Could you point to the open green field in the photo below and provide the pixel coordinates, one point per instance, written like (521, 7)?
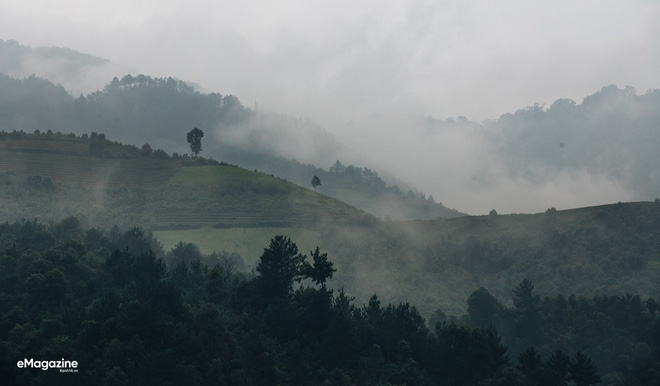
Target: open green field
(226, 175)
(247, 242)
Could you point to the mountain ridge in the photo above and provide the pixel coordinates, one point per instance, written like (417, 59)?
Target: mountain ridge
(156, 111)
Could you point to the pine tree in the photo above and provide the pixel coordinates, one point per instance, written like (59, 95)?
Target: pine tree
(583, 370)
(321, 270)
(280, 266)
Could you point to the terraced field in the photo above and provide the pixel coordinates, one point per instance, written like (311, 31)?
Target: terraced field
(46, 145)
(70, 162)
(165, 193)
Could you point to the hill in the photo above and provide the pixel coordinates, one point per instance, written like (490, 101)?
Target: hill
(567, 154)
(110, 183)
(77, 72)
(605, 250)
(159, 111)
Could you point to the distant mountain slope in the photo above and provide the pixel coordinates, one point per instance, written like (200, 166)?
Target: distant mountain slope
(77, 72)
(603, 148)
(359, 187)
(159, 111)
(613, 133)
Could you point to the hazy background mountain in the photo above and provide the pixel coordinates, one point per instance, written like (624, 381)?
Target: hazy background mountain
(158, 112)
(362, 75)
(568, 154)
(597, 150)
(78, 73)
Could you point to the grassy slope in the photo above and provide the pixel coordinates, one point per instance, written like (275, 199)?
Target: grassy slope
(433, 264)
(165, 193)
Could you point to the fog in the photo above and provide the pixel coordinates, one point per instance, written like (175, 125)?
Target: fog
(366, 72)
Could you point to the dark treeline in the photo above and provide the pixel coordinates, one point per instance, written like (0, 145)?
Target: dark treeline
(97, 145)
(620, 333)
(136, 109)
(109, 300)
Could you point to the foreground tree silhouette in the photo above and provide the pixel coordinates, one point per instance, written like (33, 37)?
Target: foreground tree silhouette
(526, 311)
(194, 138)
(280, 264)
(583, 371)
(321, 270)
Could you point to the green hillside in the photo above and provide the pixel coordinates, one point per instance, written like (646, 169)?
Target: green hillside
(110, 183)
(142, 109)
(606, 250)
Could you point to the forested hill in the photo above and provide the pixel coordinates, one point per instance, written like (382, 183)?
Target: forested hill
(159, 112)
(360, 187)
(611, 135)
(436, 264)
(126, 315)
(52, 175)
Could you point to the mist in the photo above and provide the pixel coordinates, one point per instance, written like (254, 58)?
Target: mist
(79, 74)
(462, 165)
(338, 80)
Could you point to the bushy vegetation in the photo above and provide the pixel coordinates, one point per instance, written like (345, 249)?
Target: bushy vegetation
(108, 300)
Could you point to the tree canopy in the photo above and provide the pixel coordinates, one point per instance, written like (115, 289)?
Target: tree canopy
(108, 301)
(194, 138)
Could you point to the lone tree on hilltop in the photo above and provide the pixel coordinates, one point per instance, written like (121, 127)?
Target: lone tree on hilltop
(194, 138)
(316, 182)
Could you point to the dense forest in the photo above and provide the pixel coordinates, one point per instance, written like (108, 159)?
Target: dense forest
(129, 313)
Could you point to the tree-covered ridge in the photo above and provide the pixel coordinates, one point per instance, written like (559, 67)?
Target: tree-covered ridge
(77, 72)
(358, 186)
(138, 109)
(611, 134)
(159, 111)
(108, 300)
(618, 332)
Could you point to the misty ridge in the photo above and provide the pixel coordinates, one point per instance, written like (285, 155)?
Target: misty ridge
(564, 155)
(79, 73)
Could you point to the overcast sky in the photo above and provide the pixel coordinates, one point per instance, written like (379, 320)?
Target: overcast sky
(340, 61)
